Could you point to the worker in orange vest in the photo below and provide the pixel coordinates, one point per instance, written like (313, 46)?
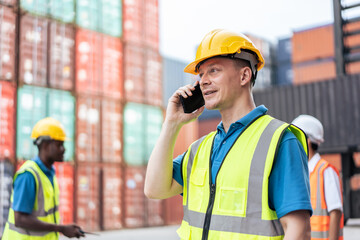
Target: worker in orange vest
(327, 221)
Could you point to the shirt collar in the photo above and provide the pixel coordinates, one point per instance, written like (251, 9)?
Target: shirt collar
(313, 161)
(248, 118)
(43, 167)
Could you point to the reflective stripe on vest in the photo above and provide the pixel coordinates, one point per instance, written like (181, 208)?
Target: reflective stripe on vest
(253, 223)
(320, 220)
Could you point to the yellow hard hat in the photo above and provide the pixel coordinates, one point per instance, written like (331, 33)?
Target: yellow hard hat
(49, 127)
(222, 42)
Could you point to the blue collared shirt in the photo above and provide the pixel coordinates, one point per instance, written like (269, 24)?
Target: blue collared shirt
(25, 188)
(289, 188)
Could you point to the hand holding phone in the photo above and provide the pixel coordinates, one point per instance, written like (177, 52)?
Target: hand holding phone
(191, 103)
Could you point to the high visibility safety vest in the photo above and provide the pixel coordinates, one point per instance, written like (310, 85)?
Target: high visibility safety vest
(320, 220)
(236, 206)
(45, 207)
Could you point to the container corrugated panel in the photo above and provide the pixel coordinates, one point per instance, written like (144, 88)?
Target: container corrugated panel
(88, 197)
(7, 43)
(134, 136)
(133, 21)
(354, 40)
(88, 14)
(38, 7)
(63, 10)
(353, 68)
(33, 50)
(112, 67)
(285, 74)
(173, 77)
(153, 78)
(207, 126)
(153, 122)
(111, 130)
(134, 197)
(173, 211)
(6, 180)
(88, 129)
(65, 178)
(88, 62)
(284, 50)
(111, 22)
(112, 197)
(325, 100)
(61, 106)
(187, 135)
(312, 44)
(155, 212)
(7, 121)
(151, 26)
(314, 71)
(134, 65)
(31, 107)
(62, 56)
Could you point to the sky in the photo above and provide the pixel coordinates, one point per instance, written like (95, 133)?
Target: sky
(184, 23)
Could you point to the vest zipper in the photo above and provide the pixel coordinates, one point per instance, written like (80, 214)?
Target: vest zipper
(209, 212)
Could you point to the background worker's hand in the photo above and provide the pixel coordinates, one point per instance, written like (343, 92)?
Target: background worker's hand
(175, 112)
(72, 231)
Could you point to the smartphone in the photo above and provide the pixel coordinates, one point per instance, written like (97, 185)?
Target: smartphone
(191, 103)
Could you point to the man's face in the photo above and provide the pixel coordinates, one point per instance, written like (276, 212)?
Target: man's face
(56, 151)
(220, 83)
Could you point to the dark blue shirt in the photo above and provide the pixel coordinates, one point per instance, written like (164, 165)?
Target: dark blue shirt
(289, 188)
(25, 188)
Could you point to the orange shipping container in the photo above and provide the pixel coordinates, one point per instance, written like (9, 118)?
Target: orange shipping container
(7, 43)
(313, 44)
(173, 210)
(134, 67)
(134, 200)
(65, 178)
(208, 125)
(153, 78)
(62, 56)
(111, 204)
(88, 129)
(314, 72)
(111, 129)
(155, 215)
(33, 50)
(88, 197)
(133, 20)
(7, 120)
(152, 24)
(187, 135)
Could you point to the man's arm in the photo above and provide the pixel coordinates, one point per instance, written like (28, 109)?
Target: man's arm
(159, 182)
(334, 228)
(296, 225)
(24, 220)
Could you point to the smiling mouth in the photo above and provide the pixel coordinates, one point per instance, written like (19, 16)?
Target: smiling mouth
(209, 93)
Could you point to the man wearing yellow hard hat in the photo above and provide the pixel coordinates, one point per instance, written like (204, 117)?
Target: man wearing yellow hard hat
(248, 179)
(34, 212)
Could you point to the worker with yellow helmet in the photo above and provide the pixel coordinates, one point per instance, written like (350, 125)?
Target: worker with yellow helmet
(34, 212)
(248, 179)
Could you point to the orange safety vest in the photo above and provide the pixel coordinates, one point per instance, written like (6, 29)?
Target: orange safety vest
(320, 220)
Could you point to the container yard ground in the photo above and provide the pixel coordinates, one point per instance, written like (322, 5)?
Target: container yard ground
(351, 232)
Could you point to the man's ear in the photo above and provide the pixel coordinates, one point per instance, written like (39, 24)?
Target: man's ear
(246, 76)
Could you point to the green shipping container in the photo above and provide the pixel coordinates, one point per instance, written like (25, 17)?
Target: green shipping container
(61, 106)
(88, 14)
(31, 107)
(111, 23)
(134, 134)
(63, 10)
(39, 7)
(154, 120)
(35, 103)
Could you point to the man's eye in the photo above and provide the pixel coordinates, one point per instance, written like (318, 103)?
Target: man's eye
(200, 75)
(213, 70)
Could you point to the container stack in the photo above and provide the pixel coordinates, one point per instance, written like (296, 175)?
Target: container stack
(284, 71)
(46, 83)
(313, 55)
(143, 112)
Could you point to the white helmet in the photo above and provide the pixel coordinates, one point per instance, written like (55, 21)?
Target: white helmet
(311, 126)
